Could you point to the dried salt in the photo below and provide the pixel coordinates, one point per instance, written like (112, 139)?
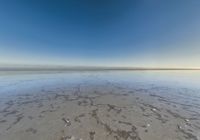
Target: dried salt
(187, 120)
(154, 109)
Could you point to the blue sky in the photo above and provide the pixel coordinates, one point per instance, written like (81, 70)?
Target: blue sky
(156, 33)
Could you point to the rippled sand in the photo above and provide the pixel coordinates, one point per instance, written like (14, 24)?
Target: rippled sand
(105, 110)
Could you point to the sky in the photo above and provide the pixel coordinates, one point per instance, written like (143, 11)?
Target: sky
(135, 33)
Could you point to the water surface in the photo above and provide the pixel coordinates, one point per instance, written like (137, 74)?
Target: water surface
(96, 105)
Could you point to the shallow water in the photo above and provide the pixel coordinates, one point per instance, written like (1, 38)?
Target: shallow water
(140, 105)
(24, 80)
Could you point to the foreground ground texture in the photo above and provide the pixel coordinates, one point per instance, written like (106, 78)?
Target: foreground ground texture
(102, 110)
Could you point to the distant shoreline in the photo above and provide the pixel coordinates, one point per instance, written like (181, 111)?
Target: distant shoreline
(89, 69)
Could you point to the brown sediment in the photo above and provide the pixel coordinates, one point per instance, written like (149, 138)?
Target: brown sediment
(115, 108)
(92, 133)
(94, 115)
(181, 104)
(150, 106)
(9, 105)
(176, 115)
(19, 117)
(66, 97)
(67, 121)
(28, 102)
(77, 118)
(187, 135)
(49, 110)
(127, 123)
(85, 100)
(122, 134)
(10, 113)
(156, 111)
(133, 135)
(160, 117)
(32, 130)
(65, 137)
(83, 103)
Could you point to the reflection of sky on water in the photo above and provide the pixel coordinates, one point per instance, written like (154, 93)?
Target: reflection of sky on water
(15, 82)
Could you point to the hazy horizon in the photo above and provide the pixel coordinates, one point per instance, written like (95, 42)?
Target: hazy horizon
(67, 67)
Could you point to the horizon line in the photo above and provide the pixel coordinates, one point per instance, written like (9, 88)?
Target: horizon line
(86, 68)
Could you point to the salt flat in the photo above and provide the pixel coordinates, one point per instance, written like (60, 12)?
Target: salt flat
(108, 105)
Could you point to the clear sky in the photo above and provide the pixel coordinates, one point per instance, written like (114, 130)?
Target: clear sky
(147, 33)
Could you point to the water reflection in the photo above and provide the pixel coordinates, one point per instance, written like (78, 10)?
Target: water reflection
(190, 79)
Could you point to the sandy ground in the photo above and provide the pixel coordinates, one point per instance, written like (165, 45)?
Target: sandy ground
(101, 111)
